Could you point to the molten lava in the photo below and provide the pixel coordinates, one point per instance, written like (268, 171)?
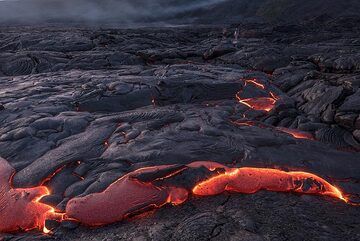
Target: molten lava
(258, 103)
(122, 198)
(128, 195)
(296, 133)
(20, 209)
(251, 180)
(146, 189)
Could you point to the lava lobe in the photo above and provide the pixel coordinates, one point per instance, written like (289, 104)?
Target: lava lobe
(125, 196)
(251, 180)
(20, 209)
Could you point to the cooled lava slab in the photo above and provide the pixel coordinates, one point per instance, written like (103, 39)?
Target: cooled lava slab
(108, 125)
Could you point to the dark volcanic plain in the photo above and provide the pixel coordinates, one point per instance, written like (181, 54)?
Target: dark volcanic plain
(101, 102)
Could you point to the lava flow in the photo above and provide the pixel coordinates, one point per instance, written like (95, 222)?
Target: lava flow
(20, 209)
(296, 133)
(146, 189)
(124, 197)
(128, 195)
(258, 103)
(251, 180)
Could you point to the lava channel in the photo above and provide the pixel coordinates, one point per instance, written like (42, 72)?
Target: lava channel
(251, 180)
(20, 208)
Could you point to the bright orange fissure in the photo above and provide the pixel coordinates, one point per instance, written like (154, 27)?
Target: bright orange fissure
(254, 82)
(296, 133)
(21, 209)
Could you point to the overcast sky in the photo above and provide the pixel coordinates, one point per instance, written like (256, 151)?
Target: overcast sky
(86, 10)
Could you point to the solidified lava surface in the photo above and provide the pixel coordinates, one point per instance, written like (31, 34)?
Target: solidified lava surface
(183, 133)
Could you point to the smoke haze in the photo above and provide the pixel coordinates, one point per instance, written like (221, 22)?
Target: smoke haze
(175, 11)
(126, 11)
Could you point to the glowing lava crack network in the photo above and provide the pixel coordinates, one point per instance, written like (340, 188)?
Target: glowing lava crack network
(20, 209)
(258, 103)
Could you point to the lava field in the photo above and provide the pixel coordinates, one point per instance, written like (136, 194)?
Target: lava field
(241, 132)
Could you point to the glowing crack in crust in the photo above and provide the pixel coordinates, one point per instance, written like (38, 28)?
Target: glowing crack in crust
(21, 209)
(254, 82)
(258, 103)
(297, 134)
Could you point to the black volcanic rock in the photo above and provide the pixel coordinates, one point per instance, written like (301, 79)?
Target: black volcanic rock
(352, 103)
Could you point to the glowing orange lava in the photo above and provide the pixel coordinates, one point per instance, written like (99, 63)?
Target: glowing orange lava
(20, 209)
(258, 103)
(129, 195)
(254, 82)
(296, 133)
(251, 180)
(122, 198)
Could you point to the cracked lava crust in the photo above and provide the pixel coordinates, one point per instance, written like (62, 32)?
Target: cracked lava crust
(180, 133)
